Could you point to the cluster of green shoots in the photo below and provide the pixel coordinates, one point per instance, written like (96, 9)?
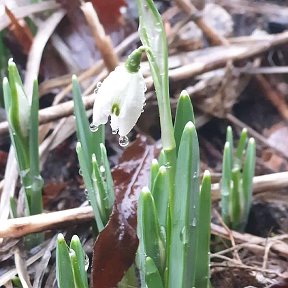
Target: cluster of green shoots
(237, 179)
(22, 114)
(173, 210)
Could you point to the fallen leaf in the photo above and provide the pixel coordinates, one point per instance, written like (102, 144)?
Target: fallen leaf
(109, 13)
(51, 190)
(116, 245)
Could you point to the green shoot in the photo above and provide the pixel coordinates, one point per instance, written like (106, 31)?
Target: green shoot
(70, 264)
(236, 183)
(93, 161)
(22, 115)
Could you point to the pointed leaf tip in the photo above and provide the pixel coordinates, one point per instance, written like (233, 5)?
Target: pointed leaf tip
(5, 81)
(189, 125)
(206, 173)
(11, 61)
(252, 141)
(75, 238)
(162, 169)
(60, 237)
(184, 94)
(227, 145)
(145, 190)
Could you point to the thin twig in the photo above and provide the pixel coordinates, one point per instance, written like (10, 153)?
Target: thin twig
(21, 269)
(279, 248)
(235, 252)
(213, 37)
(18, 227)
(102, 41)
(246, 267)
(268, 247)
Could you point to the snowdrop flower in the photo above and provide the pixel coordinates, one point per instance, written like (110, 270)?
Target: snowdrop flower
(121, 96)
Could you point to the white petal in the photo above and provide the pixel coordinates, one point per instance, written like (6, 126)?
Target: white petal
(132, 104)
(23, 110)
(106, 94)
(127, 91)
(114, 123)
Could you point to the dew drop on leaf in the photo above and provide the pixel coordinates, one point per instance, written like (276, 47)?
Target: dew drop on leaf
(93, 127)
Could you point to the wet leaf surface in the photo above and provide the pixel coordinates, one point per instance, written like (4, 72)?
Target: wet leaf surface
(115, 247)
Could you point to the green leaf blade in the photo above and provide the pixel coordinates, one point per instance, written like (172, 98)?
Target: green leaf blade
(64, 272)
(160, 194)
(152, 276)
(203, 248)
(247, 178)
(78, 263)
(226, 179)
(182, 265)
(184, 114)
(148, 231)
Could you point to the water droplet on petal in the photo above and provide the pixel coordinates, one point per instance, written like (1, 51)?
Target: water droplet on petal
(93, 127)
(86, 262)
(97, 87)
(123, 141)
(80, 172)
(115, 131)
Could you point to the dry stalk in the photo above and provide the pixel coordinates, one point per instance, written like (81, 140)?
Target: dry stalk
(268, 246)
(273, 96)
(21, 269)
(279, 248)
(22, 226)
(246, 267)
(213, 37)
(185, 71)
(102, 41)
(45, 30)
(235, 252)
(18, 227)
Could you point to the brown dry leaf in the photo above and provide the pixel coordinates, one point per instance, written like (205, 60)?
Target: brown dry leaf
(20, 31)
(109, 13)
(51, 190)
(116, 245)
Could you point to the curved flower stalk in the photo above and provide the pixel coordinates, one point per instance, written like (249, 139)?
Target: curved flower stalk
(122, 97)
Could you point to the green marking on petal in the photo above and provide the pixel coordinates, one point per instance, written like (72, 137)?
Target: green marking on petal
(115, 109)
